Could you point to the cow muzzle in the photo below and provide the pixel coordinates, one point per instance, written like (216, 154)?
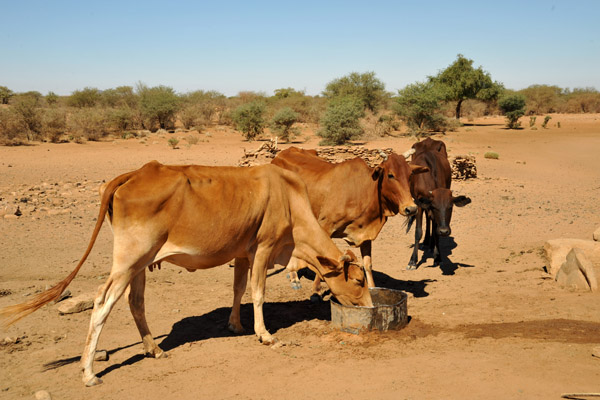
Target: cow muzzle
(410, 210)
(443, 231)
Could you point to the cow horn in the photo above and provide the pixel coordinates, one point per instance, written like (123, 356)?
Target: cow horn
(383, 155)
(408, 153)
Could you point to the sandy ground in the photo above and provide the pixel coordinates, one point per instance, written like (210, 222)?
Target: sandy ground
(489, 323)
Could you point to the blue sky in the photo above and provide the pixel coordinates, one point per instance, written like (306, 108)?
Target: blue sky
(233, 46)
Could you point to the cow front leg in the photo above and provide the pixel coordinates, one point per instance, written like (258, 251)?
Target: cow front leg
(240, 280)
(437, 254)
(107, 296)
(258, 281)
(137, 307)
(365, 252)
(412, 264)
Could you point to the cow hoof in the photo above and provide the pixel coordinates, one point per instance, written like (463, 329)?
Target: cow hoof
(315, 298)
(235, 329)
(93, 382)
(296, 285)
(162, 354)
(268, 340)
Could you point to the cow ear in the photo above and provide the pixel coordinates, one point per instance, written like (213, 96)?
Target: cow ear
(377, 173)
(461, 201)
(423, 202)
(418, 169)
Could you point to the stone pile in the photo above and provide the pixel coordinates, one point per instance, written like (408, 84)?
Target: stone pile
(263, 155)
(372, 157)
(463, 167)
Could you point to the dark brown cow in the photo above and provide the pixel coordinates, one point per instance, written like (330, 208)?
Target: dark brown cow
(352, 200)
(200, 217)
(433, 196)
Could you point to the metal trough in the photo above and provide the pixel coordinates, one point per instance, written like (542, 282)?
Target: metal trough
(389, 312)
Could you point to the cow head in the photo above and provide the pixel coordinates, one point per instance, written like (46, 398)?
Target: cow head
(438, 204)
(346, 279)
(393, 176)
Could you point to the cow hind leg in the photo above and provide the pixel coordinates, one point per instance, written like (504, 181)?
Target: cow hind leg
(136, 305)
(240, 281)
(292, 274)
(107, 296)
(259, 268)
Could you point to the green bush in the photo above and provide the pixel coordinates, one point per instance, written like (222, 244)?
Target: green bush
(120, 97)
(249, 119)
(419, 106)
(492, 155)
(54, 124)
(282, 123)
(51, 98)
(365, 87)
(29, 116)
(87, 97)
(532, 121)
(513, 107)
(121, 119)
(90, 124)
(5, 94)
(547, 118)
(341, 121)
(159, 106)
(12, 130)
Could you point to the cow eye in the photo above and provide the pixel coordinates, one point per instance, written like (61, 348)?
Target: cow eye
(391, 176)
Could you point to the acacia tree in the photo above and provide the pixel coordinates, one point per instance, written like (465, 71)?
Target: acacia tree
(365, 87)
(460, 81)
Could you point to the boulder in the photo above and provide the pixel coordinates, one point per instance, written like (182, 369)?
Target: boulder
(556, 251)
(76, 304)
(577, 272)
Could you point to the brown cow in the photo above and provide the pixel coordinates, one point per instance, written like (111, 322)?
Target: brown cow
(432, 194)
(199, 217)
(352, 200)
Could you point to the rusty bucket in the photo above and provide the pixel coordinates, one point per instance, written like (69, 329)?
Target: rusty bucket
(389, 312)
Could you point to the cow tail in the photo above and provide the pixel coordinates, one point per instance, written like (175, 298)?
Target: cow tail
(14, 313)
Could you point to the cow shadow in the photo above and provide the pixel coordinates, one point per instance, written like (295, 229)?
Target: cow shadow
(417, 288)
(447, 266)
(213, 324)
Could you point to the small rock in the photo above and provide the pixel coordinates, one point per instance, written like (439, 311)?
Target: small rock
(597, 235)
(101, 355)
(596, 352)
(42, 395)
(11, 216)
(77, 304)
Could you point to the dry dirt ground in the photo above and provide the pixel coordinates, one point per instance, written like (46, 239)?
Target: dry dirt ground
(489, 323)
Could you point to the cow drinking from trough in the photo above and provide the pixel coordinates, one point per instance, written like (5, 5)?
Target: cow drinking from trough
(433, 196)
(352, 200)
(199, 217)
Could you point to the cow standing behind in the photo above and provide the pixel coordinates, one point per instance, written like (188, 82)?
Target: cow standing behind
(200, 217)
(433, 196)
(350, 199)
